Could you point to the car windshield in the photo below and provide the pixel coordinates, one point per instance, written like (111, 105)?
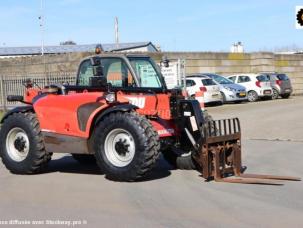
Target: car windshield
(282, 77)
(146, 71)
(262, 78)
(221, 80)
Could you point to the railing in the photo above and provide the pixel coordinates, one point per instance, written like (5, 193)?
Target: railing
(13, 84)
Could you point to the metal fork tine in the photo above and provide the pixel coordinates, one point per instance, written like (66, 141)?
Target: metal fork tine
(229, 126)
(249, 181)
(271, 177)
(215, 128)
(234, 125)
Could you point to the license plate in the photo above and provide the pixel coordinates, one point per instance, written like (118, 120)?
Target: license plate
(215, 95)
(267, 92)
(242, 94)
(287, 90)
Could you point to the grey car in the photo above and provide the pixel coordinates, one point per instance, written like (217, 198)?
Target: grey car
(230, 91)
(280, 84)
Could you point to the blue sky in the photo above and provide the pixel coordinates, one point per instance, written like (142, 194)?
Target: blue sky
(192, 25)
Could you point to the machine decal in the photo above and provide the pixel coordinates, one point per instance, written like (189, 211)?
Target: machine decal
(137, 101)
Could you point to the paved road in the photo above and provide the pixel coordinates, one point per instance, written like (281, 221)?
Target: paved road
(174, 198)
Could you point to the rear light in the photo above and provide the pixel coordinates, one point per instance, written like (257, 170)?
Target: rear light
(203, 89)
(258, 83)
(278, 82)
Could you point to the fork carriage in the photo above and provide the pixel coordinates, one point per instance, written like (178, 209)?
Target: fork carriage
(220, 156)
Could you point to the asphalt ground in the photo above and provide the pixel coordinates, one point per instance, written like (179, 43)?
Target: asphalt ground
(69, 192)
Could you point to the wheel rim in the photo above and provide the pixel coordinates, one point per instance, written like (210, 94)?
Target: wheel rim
(252, 96)
(275, 94)
(119, 147)
(17, 144)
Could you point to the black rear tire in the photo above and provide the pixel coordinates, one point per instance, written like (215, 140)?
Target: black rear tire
(112, 155)
(85, 159)
(285, 96)
(22, 145)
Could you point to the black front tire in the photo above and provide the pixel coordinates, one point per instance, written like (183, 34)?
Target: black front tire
(15, 158)
(144, 143)
(179, 161)
(186, 161)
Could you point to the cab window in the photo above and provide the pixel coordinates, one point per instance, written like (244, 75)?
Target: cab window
(85, 73)
(114, 69)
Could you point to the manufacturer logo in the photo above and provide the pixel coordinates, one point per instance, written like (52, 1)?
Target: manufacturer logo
(299, 17)
(137, 101)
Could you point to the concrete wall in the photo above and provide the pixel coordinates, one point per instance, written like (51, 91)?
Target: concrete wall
(222, 63)
(232, 63)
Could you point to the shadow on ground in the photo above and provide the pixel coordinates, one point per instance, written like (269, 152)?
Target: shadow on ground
(67, 164)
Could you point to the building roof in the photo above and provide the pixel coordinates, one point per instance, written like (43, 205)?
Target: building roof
(58, 49)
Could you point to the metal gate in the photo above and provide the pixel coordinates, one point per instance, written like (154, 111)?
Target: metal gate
(13, 84)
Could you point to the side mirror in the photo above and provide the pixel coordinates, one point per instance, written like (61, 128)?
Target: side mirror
(97, 67)
(95, 61)
(98, 71)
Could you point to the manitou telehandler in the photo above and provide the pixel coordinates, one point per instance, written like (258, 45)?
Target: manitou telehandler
(120, 113)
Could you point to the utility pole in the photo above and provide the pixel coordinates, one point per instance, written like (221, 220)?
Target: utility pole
(117, 32)
(41, 20)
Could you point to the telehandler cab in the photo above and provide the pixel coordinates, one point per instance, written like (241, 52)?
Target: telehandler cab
(121, 114)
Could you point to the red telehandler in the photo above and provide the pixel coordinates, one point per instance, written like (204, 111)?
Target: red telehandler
(121, 114)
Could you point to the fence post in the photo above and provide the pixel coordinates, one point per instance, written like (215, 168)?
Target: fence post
(2, 93)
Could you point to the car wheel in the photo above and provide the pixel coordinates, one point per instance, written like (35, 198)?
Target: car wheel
(285, 96)
(252, 96)
(275, 94)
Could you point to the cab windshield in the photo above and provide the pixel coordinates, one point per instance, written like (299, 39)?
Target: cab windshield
(147, 72)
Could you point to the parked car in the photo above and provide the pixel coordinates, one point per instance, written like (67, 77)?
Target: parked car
(280, 84)
(257, 85)
(230, 91)
(195, 83)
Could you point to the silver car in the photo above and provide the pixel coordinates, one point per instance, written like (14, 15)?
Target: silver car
(280, 84)
(230, 91)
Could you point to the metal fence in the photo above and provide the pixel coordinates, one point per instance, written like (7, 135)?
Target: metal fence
(13, 84)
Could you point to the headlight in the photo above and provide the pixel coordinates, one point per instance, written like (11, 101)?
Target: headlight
(229, 89)
(110, 98)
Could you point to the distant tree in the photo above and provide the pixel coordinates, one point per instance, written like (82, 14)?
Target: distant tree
(68, 42)
(285, 48)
